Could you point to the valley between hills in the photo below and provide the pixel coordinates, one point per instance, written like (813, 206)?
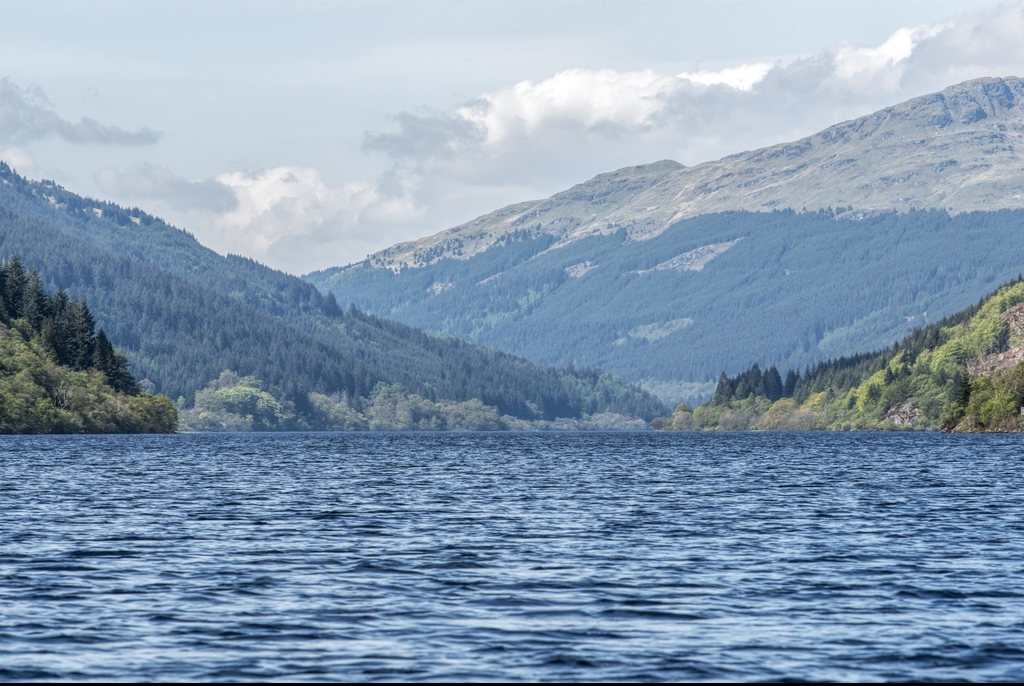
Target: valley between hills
(604, 306)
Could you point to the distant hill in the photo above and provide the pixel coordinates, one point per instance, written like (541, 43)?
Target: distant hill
(182, 314)
(670, 274)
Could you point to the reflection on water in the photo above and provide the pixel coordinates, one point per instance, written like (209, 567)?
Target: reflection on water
(512, 556)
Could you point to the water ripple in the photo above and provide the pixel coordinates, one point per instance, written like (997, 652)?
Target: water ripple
(512, 556)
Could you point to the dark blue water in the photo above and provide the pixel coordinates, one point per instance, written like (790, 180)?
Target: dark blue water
(512, 556)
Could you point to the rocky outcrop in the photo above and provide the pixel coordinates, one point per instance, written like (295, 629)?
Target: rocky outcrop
(1008, 355)
(904, 416)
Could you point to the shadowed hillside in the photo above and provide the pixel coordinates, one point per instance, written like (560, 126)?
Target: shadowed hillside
(183, 314)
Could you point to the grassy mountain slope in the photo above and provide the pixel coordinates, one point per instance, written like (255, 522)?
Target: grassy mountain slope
(964, 373)
(959, 149)
(182, 314)
(710, 293)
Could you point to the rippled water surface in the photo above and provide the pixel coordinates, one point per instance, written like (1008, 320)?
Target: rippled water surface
(512, 556)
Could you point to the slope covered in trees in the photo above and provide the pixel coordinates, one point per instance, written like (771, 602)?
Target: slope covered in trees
(182, 314)
(57, 375)
(964, 373)
(709, 294)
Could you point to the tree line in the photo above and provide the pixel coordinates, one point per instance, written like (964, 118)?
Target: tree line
(66, 326)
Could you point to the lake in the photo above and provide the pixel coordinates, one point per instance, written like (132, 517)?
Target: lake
(515, 556)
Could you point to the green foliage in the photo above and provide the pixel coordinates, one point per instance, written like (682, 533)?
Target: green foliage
(923, 382)
(334, 413)
(39, 396)
(394, 409)
(182, 314)
(66, 327)
(231, 403)
(992, 403)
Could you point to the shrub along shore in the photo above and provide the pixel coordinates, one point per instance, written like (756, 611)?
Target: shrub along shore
(964, 373)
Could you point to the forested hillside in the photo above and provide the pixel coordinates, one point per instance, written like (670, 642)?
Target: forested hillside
(964, 373)
(183, 314)
(709, 294)
(57, 374)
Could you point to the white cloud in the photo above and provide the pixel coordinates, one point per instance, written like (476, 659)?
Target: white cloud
(711, 113)
(584, 96)
(852, 61)
(742, 78)
(26, 114)
(533, 138)
(280, 207)
(630, 100)
(286, 217)
(545, 135)
(20, 160)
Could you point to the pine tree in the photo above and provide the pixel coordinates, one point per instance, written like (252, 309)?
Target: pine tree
(113, 365)
(749, 383)
(80, 329)
(789, 388)
(773, 384)
(4, 314)
(723, 393)
(14, 286)
(960, 389)
(35, 302)
(56, 327)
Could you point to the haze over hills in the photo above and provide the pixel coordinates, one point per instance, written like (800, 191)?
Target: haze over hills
(958, 149)
(672, 275)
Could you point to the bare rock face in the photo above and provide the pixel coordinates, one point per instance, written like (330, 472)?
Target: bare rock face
(1007, 356)
(959, 149)
(905, 415)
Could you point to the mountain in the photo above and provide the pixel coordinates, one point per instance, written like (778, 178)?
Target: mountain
(964, 373)
(791, 254)
(958, 149)
(182, 315)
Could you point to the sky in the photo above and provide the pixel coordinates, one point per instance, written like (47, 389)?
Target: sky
(310, 134)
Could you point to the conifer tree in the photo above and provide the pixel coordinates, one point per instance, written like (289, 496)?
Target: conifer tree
(773, 384)
(80, 327)
(14, 286)
(789, 388)
(723, 392)
(35, 302)
(4, 314)
(113, 365)
(56, 326)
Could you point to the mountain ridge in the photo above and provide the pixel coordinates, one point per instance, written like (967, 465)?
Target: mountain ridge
(955, 149)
